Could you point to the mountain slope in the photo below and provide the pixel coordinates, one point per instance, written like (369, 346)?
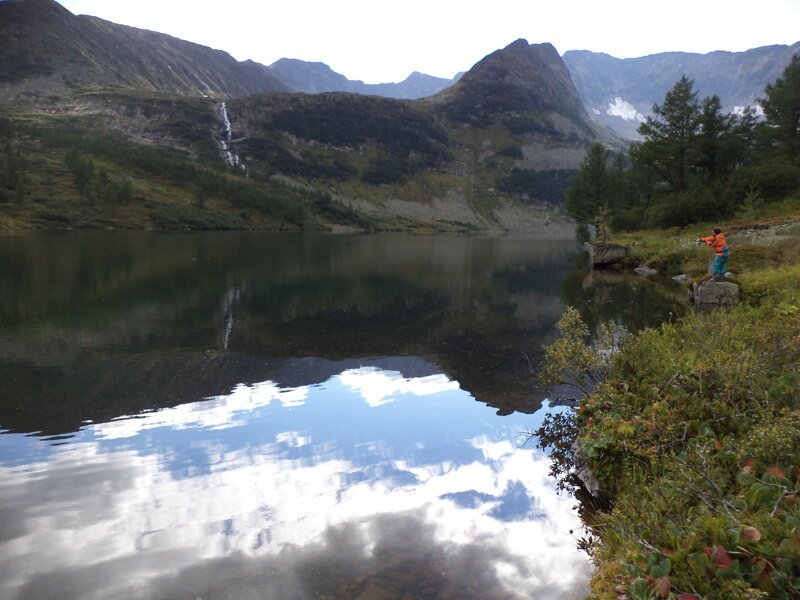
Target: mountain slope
(524, 100)
(510, 133)
(518, 104)
(137, 128)
(620, 93)
(317, 77)
(46, 49)
(519, 78)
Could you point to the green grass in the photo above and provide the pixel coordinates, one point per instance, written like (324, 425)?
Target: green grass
(673, 251)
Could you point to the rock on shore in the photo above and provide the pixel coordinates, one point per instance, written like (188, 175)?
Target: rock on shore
(712, 294)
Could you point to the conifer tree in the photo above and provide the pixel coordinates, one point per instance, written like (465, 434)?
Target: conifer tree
(782, 111)
(10, 168)
(588, 197)
(744, 130)
(670, 135)
(714, 140)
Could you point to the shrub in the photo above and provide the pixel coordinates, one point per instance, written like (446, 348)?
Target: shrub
(549, 185)
(773, 179)
(277, 159)
(178, 216)
(695, 437)
(349, 120)
(681, 209)
(511, 151)
(386, 170)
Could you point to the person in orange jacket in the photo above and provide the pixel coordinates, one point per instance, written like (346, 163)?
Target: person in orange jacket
(720, 245)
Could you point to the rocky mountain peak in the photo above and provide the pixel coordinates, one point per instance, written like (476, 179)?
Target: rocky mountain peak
(520, 78)
(533, 67)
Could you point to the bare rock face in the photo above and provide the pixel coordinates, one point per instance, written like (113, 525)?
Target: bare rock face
(606, 254)
(714, 294)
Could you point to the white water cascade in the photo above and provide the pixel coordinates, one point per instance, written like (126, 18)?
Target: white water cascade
(231, 158)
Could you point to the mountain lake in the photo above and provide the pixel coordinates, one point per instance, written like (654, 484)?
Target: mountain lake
(288, 416)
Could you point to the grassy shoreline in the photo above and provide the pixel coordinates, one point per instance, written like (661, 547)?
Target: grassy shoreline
(694, 432)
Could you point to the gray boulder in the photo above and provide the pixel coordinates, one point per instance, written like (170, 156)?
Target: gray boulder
(645, 271)
(713, 294)
(606, 254)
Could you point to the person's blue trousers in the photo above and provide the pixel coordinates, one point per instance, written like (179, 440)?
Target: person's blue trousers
(720, 266)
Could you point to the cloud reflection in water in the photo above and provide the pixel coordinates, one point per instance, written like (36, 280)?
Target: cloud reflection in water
(368, 484)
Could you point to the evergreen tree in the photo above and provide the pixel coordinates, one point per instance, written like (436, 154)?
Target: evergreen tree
(82, 171)
(744, 130)
(124, 192)
(669, 136)
(103, 187)
(782, 111)
(588, 197)
(715, 142)
(618, 183)
(10, 168)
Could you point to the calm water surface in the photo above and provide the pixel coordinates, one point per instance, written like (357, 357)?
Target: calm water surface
(286, 416)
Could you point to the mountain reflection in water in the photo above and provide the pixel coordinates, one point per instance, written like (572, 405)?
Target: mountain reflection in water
(285, 416)
(118, 323)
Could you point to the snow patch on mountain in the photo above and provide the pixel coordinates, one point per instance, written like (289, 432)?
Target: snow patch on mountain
(624, 110)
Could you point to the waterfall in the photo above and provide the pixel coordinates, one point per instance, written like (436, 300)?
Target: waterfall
(230, 157)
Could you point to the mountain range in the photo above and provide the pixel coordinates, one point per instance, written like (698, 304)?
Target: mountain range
(198, 139)
(317, 77)
(620, 93)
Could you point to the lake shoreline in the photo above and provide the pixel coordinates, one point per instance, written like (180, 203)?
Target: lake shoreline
(699, 421)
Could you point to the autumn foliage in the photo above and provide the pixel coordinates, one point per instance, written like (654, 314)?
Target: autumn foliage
(694, 434)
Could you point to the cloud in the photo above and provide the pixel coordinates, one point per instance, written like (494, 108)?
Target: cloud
(385, 556)
(222, 412)
(739, 110)
(377, 386)
(95, 525)
(282, 509)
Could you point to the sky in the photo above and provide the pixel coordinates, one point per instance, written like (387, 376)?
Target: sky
(385, 41)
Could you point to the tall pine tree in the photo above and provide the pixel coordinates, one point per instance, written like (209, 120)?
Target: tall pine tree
(715, 141)
(782, 111)
(670, 135)
(588, 197)
(744, 130)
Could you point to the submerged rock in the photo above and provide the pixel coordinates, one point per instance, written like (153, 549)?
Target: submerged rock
(714, 294)
(645, 271)
(606, 254)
